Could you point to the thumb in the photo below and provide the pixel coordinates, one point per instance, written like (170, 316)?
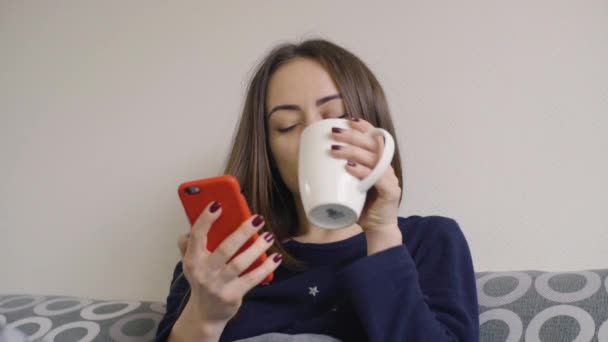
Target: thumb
(182, 243)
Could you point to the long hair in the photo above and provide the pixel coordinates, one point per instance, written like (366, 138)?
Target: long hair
(250, 160)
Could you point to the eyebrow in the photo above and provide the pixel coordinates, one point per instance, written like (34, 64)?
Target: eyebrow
(319, 102)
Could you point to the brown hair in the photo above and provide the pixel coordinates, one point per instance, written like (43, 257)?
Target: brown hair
(251, 162)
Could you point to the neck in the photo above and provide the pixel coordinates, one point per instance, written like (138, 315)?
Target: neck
(308, 232)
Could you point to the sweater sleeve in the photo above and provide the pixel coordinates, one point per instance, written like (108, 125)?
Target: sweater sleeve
(425, 295)
(177, 294)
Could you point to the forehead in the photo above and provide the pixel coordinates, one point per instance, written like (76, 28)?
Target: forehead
(299, 80)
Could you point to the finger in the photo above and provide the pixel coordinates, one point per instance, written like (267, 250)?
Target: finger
(242, 262)
(354, 153)
(197, 243)
(250, 280)
(229, 246)
(357, 170)
(355, 137)
(182, 243)
(360, 124)
(360, 171)
(363, 126)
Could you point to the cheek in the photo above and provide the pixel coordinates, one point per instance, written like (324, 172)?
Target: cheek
(285, 152)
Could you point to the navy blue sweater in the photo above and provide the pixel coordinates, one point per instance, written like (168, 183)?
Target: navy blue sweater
(423, 290)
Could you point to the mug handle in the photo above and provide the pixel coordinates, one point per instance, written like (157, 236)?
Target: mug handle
(383, 163)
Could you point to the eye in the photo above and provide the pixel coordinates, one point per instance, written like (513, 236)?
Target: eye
(287, 129)
(290, 128)
(337, 117)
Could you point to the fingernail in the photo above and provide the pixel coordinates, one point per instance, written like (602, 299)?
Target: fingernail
(336, 147)
(277, 258)
(351, 163)
(257, 221)
(355, 119)
(268, 236)
(337, 130)
(215, 206)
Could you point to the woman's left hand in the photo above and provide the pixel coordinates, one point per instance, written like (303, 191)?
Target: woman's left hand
(362, 151)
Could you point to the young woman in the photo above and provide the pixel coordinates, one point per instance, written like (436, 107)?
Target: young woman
(385, 278)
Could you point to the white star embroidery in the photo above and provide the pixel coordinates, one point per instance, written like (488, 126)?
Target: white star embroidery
(313, 291)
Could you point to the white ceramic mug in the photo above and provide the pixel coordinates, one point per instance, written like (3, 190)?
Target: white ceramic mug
(331, 196)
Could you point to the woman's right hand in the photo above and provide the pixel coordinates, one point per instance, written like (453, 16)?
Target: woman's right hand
(217, 291)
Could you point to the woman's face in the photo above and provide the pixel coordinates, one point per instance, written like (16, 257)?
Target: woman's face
(300, 93)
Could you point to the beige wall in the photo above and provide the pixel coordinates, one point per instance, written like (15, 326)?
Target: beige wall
(501, 110)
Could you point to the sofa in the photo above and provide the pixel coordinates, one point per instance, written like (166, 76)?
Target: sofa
(513, 306)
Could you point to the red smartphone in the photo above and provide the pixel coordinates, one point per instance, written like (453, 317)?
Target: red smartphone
(196, 195)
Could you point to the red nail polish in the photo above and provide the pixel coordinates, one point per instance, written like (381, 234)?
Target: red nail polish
(277, 258)
(215, 206)
(268, 236)
(351, 163)
(336, 147)
(257, 221)
(337, 130)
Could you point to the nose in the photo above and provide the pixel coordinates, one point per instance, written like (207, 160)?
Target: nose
(311, 117)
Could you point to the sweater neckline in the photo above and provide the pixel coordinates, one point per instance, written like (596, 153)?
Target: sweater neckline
(328, 245)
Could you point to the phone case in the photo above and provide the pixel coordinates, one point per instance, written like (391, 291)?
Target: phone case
(197, 194)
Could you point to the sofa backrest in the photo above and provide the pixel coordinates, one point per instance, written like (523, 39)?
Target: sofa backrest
(514, 306)
(543, 306)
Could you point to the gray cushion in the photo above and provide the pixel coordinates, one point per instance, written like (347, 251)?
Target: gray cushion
(514, 306)
(75, 319)
(541, 306)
